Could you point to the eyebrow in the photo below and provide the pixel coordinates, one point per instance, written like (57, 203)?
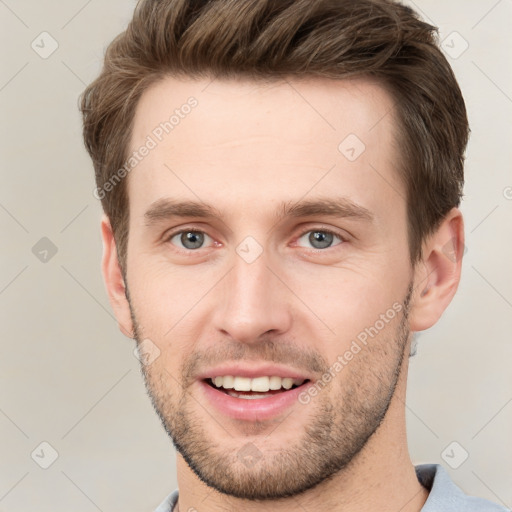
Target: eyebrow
(338, 207)
(341, 207)
(163, 209)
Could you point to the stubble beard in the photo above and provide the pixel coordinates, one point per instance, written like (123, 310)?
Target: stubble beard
(345, 414)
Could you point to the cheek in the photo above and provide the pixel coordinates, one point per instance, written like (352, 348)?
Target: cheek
(164, 296)
(349, 299)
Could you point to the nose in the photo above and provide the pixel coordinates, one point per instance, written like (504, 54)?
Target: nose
(252, 302)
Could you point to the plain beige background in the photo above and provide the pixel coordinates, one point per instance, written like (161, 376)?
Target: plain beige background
(68, 377)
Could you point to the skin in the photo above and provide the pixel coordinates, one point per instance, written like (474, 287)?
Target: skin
(246, 148)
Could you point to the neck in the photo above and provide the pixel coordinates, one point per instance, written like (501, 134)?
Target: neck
(381, 476)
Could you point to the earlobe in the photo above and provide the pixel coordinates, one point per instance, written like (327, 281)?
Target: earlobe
(437, 276)
(114, 281)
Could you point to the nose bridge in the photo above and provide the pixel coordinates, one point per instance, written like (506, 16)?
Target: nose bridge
(251, 283)
(252, 300)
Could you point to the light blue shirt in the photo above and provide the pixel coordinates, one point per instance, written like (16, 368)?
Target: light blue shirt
(444, 495)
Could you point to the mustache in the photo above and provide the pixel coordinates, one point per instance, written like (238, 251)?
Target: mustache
(267, 349)
(263, 351)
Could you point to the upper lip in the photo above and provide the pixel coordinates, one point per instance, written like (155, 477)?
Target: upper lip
(239, 370)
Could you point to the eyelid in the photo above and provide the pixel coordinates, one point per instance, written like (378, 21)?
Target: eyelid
(182, 229)
(169, 235)
(343, 238)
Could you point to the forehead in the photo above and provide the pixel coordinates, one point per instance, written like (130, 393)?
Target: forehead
(263, 142)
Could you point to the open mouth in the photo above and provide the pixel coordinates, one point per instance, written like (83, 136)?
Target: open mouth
(258, 388)
(256, 398)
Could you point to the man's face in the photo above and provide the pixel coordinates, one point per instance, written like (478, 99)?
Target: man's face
(293, 256)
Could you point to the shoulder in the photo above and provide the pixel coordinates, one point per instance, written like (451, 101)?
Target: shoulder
(446, 496)
(168, 504)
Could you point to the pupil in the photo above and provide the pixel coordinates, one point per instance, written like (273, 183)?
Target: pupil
(320, 239)
(192, 239)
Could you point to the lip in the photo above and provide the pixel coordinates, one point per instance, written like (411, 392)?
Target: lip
(268, 370)
(258, 409)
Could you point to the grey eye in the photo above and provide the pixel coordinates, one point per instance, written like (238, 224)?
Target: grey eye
(189, 239)
(319, 239)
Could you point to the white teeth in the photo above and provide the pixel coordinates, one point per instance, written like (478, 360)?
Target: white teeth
(259, 384)
(287, 383)
(241, 383)
(275, 382)
(245, 396)
(228, 382)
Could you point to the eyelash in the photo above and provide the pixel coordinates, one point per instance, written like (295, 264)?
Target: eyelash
(323, 230)
(343, 239)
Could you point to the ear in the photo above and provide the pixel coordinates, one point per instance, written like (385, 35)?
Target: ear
(114, 280)
(437, 275)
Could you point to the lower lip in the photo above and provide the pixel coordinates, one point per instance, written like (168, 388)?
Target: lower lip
(256, 409)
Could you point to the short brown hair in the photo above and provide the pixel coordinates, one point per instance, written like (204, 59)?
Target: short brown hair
(278, 39)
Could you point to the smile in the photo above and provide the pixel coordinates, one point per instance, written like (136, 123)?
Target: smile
(257, 387)
(252, 399)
